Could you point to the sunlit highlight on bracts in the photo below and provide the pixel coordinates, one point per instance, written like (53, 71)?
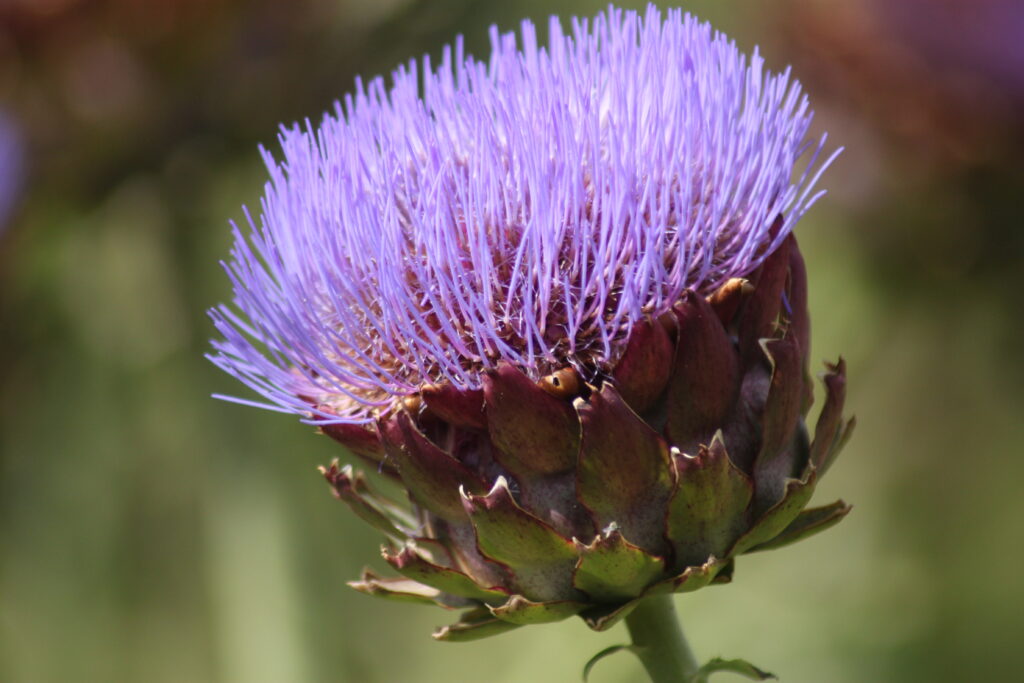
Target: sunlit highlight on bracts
(530, 209)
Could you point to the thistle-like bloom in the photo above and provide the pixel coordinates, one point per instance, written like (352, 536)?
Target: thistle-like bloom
(555, 295)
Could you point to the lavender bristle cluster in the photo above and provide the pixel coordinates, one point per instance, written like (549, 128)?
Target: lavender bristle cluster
(530, 208)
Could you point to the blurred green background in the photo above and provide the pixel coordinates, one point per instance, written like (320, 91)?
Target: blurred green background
(151, 533)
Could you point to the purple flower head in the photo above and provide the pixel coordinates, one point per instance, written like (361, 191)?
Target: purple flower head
(530, 209)
(11, 167)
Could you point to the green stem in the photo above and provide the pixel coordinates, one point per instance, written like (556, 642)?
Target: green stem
(659, 642)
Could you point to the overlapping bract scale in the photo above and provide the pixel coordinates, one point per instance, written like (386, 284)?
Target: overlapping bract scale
(534, 502)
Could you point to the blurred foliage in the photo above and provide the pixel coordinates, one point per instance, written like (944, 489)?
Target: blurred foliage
(150, 533)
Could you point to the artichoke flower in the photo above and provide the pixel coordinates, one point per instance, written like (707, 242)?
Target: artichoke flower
(557, 298)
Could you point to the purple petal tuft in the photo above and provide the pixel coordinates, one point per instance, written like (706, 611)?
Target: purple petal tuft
(529, 209)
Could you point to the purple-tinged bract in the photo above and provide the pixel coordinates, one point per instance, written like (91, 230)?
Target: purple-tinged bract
(530, 208)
